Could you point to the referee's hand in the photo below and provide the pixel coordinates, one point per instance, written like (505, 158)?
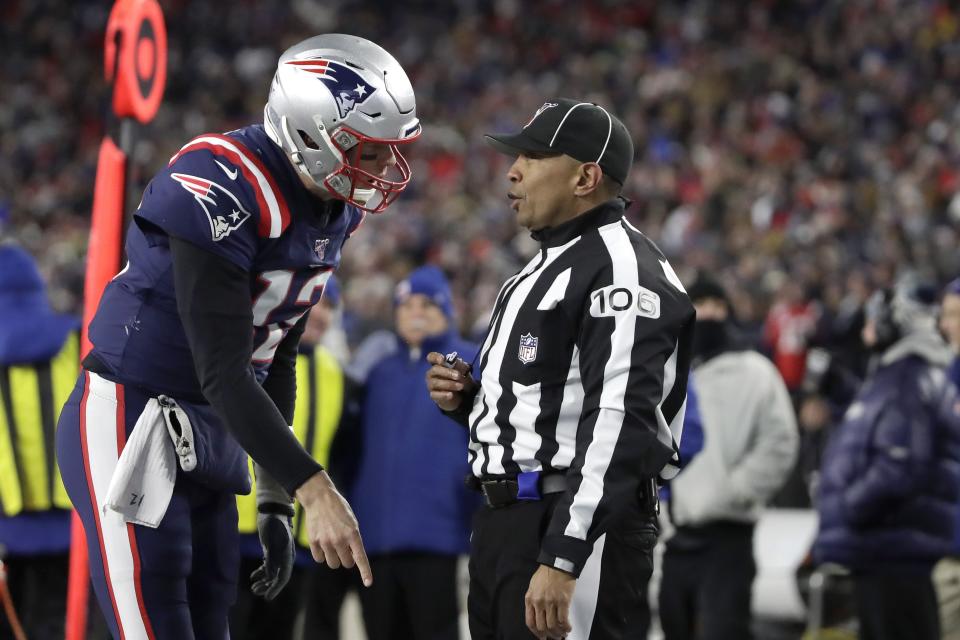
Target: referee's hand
(447, 384)
(548, 601)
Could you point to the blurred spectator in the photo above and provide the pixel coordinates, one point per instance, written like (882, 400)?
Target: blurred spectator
(828, 389)
(946, 575)
(322, 424)
(950, 326)
(789, 327)
(39, 356)
(891, 475)
(810, 143)
(749, 447)
(409, 495)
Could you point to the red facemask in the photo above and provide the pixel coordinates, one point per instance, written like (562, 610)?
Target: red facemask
(384, 189)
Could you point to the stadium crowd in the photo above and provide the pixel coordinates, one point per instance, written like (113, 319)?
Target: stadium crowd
(803, 152)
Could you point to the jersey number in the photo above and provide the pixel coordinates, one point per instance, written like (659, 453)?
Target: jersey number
(272, 298)
(611, 300)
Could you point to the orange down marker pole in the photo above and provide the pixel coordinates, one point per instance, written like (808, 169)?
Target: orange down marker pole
(135, 62)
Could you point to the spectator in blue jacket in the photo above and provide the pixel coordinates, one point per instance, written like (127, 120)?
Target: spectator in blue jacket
(891, 474)
(409, 495)
(946, 575)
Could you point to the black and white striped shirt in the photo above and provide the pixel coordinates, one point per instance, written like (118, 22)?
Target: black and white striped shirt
(584, 369)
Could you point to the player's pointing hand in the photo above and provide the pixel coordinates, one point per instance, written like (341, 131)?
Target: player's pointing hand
(332, 528)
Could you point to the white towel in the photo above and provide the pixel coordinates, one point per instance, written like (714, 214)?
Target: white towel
(142, 484)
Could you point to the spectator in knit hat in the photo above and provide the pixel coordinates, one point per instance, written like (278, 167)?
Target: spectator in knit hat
(890, 477)
(409, 496)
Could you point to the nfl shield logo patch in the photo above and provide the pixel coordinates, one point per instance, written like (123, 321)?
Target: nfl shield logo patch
(320, 248)
(528, 348)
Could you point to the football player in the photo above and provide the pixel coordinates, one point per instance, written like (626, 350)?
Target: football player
(230, 247)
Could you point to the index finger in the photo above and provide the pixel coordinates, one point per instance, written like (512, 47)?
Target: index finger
(360, 557)
(435, 358)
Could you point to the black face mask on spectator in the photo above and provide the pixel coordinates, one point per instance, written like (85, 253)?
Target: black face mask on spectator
(710, 338)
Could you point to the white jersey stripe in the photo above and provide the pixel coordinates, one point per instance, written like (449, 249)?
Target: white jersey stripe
(261, 184)
(606, 430)
(495, 352)
(669, 434)
(487, 429)
(586, 592)
(569, 419)
(524, 416)
(103, 450)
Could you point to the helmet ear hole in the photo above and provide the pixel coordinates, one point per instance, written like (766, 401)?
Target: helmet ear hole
(307, 140)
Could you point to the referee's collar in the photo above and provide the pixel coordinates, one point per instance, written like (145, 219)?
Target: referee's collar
(609, 211)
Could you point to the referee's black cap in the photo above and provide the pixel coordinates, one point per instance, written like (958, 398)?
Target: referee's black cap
(582, 130)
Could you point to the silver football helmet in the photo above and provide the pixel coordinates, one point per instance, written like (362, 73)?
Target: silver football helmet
(332, 95)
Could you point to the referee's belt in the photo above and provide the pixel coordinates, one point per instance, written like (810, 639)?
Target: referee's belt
(527, 486)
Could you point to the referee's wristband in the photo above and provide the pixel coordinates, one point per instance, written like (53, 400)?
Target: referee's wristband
(275, 509)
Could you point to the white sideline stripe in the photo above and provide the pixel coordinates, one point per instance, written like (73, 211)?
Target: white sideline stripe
(262, 185)
(583, 607)
(101, 433)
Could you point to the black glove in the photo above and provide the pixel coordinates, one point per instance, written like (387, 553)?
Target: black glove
(276, 538)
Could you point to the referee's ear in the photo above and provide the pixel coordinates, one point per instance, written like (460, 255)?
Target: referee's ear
(590, 181)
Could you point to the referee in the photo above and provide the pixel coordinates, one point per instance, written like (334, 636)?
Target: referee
(579, 398)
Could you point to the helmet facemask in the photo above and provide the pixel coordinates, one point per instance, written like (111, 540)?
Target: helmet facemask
(359, 187)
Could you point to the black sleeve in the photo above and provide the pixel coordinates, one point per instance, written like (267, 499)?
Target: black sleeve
(213, 299)
(281, 382)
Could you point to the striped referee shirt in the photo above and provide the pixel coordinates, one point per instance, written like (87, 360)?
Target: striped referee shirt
(584, 369)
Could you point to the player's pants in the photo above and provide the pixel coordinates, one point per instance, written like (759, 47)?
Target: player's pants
(173, 582)
(503, 557)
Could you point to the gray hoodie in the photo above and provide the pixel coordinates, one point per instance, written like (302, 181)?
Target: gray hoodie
(750, 441)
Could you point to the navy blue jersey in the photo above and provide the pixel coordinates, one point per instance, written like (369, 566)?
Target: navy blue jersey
(237, 196)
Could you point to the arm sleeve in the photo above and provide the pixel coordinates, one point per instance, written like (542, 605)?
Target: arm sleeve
(281, 386)
(213, 300)
(764, 469)
(281, 382)
(634, 372)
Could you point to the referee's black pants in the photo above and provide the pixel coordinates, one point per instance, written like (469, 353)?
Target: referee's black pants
(503, 558)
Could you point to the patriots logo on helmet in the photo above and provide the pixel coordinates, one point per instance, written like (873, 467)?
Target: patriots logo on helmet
(345, 84)
(223, 210)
